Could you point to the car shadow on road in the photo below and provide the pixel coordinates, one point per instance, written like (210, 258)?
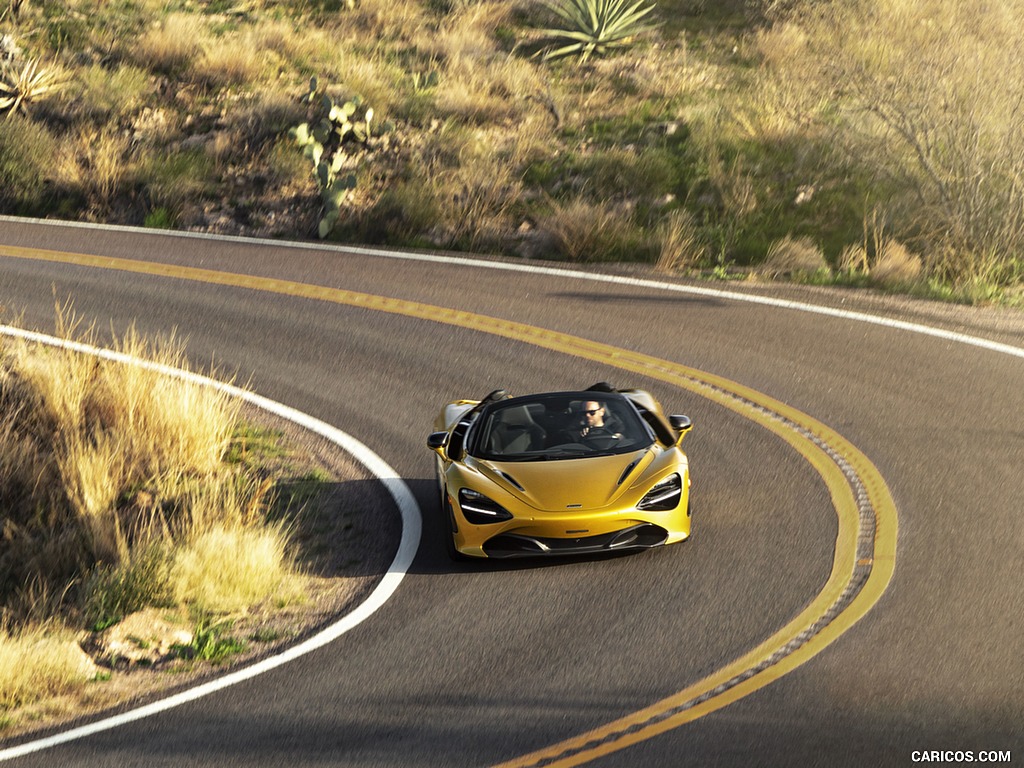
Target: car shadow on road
(351, 528)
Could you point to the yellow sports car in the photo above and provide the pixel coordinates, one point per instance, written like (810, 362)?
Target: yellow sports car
(599, 470)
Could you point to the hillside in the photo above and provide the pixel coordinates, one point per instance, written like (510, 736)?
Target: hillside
(851, 142)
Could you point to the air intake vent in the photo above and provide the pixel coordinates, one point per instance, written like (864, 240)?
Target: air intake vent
(626, 472)
(512, 480)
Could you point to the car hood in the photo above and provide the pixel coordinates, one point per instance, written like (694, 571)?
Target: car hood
(555, 486)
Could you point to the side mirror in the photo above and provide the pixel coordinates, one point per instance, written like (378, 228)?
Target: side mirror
(437, 441)
(681, 424)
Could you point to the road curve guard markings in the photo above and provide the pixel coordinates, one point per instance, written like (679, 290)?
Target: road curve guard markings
(865, 550)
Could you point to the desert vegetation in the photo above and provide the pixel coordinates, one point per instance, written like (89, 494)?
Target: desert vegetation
(123, 489)
(877, 141)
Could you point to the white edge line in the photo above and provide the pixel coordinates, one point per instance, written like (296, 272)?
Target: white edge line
(400, 492)
(862, 317)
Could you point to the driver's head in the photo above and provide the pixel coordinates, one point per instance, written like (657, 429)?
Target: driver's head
(593, 413)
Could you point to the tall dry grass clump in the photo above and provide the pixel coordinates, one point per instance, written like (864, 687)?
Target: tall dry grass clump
(96, 161)
(112, 477)
(896, 265)
(235, 59)
(224, 569)
(583, 231)
(793, 256)
(171, 45)
(681, 246)
(473, 182)
(38, 662)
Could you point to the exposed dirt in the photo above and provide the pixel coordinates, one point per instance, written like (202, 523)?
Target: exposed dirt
(346, 538)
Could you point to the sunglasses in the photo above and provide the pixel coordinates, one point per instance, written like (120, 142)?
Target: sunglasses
(592, 412)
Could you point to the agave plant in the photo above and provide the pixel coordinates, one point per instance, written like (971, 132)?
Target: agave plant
(596, 25)
(19, 88)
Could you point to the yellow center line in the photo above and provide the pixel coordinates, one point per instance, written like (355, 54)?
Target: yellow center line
(792, 645)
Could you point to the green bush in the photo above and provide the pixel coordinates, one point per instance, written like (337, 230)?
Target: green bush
(106, 93)
(26, 159)
(114, 591)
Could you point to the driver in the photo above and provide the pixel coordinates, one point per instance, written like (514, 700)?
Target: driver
(591, 422)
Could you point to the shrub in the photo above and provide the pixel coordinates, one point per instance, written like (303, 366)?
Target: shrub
(584, 231)
(405, 211)
(106, 93)
(26, 159)
(921, 94)
(895, 265)
(175, 178)
(792, 256)
(141, 580)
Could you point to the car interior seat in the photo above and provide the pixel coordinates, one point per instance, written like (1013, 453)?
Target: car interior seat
(517, 432)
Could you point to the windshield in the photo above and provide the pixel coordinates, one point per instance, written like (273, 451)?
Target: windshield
(559, 426)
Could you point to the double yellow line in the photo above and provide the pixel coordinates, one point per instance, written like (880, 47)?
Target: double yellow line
(865, 550)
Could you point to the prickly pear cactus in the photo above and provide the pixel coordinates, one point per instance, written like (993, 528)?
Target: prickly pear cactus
(326, 141)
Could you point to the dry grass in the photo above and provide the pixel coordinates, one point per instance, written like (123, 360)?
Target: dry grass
(473, 184)
(920, 92)
(117, 497)
(853, 259)
(229, 569)
(792, 256)
(37, 663)
(172, 45)
(674, 73)
(590, 232)
(486, 92)
(121, 457)
(393, 21)
(912, 103)
(479, 83)
(895, 265)
(681, 246)
(233, 60)
(96, 161)
(105, 92)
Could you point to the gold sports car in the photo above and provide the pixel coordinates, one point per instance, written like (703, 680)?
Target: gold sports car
(560, 473)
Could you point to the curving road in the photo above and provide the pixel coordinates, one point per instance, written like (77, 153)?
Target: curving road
(483, 664)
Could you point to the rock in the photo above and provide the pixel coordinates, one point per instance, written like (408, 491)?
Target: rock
(144, 637)
(196, 141)
(86, 668)
(804, 193)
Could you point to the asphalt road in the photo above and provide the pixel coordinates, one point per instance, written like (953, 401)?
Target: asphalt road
(479, 664)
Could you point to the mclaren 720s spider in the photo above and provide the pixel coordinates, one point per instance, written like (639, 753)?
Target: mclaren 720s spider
(561, 473)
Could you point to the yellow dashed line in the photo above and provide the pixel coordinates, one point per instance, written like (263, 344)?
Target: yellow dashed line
(750, 404)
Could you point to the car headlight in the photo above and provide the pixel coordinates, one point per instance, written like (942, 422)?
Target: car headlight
(664, 496)
(480, 510)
